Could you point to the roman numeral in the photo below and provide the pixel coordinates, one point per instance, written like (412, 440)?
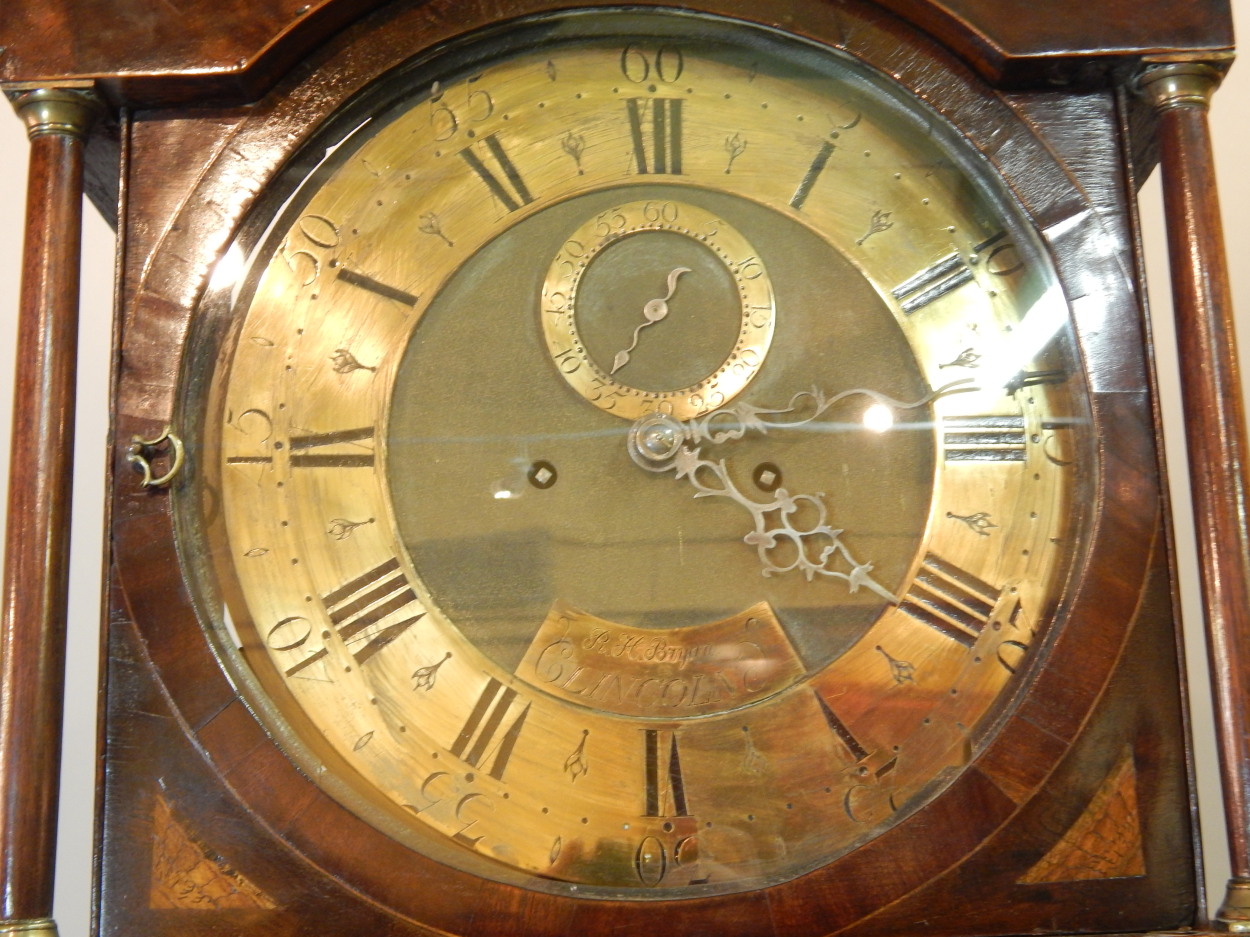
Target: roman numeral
(947, 274)
(950, 600)
(983, 439)
(357, 607)
(813, 173)
(377, 287)
(302, 457)
(950, 273)
(664, 154)
(482, 733)
(665, 789)
(511, 189)
(839, 728)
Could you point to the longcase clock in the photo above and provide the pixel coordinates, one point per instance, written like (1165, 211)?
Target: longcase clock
(630, 468)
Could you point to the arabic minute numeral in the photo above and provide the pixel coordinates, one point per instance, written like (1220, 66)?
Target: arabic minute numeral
(1003, 259)
(305, 246)
(664, 65)
(478, 105)
(1014, 648)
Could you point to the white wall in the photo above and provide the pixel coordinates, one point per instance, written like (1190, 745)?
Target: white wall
(1232, 138)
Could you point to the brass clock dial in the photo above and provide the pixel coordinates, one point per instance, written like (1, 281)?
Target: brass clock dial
(648, 458)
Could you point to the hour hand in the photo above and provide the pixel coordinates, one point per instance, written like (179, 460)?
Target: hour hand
(657, 442)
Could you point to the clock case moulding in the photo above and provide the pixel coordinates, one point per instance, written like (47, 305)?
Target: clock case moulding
(199, 806)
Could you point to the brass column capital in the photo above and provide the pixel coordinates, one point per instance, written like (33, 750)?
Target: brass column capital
(1179, 84)
(69, 111)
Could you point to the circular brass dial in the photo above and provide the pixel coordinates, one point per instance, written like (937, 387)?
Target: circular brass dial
(726, 640)
(703, 356)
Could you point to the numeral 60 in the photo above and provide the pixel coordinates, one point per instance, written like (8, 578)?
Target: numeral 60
(637, 65)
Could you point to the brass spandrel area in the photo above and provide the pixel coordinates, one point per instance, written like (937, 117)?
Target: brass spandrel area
(598, 618)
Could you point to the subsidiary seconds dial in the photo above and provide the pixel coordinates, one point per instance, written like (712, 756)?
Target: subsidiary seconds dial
(703, 346)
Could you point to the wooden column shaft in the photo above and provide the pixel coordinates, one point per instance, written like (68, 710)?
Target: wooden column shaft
(1215, 423)
(36, 566)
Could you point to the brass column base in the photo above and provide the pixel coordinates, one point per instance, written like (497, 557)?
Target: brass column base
(1233, 917)
(39, 927)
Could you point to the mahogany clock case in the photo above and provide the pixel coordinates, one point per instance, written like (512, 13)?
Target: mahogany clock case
(1073, 813)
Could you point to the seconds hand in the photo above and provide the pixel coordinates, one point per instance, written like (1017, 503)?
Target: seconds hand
(653, 312)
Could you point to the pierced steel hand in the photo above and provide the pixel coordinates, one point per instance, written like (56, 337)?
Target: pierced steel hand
(735, 421)
(652, 312)
(659, 443)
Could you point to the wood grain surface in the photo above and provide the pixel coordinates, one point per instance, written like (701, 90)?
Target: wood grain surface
(148, 54)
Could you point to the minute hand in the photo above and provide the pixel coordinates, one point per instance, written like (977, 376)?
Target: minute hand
(734, 422)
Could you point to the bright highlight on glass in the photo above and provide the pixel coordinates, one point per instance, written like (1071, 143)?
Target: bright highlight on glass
(878, 418)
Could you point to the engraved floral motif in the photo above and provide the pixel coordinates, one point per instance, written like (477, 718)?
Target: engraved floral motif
(575, 765)
(423, 678)
(340, 528)
(967, 358)
(735, 146)
(902, 671)
(431, 225)
(574, 144)
(979, 522)
(345, 362)
(880, 222)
